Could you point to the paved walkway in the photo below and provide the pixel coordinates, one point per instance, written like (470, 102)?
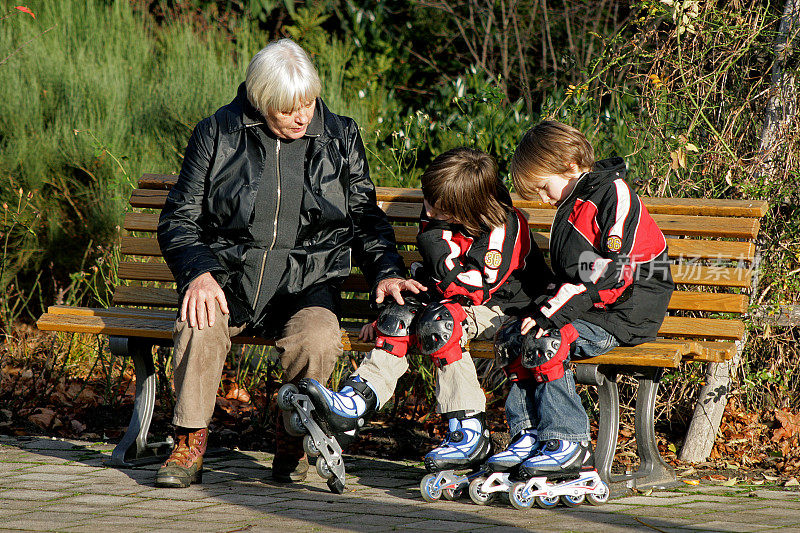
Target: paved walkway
(55, 485)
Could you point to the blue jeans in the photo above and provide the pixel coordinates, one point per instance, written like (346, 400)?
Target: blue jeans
(554, 408)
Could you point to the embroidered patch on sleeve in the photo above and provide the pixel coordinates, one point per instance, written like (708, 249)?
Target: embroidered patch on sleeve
(614, 243)
(492, 259)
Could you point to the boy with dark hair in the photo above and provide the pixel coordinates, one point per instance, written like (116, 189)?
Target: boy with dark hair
(479, 266)
(613, 286)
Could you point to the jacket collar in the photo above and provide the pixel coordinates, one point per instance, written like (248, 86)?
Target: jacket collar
(240, 114)
(604, 171)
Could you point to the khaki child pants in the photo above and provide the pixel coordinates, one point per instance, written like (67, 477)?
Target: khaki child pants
(457, 387)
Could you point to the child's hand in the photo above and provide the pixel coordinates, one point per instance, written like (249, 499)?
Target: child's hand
(367, 332)
(528, 324)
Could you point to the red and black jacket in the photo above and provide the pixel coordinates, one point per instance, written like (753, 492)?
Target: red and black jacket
(610, 259)
(498, 267)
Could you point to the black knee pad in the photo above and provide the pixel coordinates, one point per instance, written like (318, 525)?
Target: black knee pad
(508, 350)
(439, 331)
(396, 327)
(548, 356)
(508, 342)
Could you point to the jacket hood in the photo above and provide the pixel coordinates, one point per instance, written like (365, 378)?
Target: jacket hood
(607, 170)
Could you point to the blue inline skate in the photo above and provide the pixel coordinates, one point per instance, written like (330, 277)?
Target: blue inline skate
(502, 467)
(466, 446)
(559, 471)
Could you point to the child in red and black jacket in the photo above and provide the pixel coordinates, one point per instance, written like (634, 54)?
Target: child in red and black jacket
(479, 267)
(613, 287)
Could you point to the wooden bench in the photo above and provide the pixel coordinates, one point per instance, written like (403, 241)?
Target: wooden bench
(712, 244)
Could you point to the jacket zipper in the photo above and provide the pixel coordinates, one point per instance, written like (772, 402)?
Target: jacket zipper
(274, 222)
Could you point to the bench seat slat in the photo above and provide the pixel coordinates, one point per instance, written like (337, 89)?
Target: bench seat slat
(703, 328)
(141, 322)
(681, 206)
(652, 354)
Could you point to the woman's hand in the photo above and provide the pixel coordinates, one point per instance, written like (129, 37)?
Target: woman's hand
(395, 286)
(199, 302)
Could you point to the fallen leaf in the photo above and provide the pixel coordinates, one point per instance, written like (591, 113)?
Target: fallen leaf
(691, 481)
(790, 425)
(730, 483)
(238, 394)
(717, 477)
(25, 9)
(688, 472)
(43, 418)
(757, 482)
(770, 478)
(792, 482)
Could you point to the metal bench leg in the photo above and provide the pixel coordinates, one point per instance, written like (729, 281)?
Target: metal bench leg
(134, 449)
(653, 470)
(605, 380)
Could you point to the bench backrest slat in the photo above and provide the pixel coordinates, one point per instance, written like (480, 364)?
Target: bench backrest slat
(677, 206)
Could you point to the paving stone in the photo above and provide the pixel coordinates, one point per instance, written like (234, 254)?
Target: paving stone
(36, 524)
(100, 500)
(777, 495)
(655, 500)
(740, 505)
(30, 494)
(725, 525)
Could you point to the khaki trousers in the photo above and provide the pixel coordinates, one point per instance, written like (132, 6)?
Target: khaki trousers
(457, 386)
(309, 347)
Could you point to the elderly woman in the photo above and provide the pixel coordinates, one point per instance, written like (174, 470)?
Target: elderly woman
(273, 199)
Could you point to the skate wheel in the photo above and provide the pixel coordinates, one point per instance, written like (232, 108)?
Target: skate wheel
(476, 493)
(546, 502)
(310, 447)
(430, 493)
(453, 494)
(324, 469)
(336, 486)
(295, 426)
(572, 501)
(518, 498)
(599, 499)
(285, 395)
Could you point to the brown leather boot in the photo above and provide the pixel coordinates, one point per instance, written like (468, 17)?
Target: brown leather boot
(185, 464)
(290, 463)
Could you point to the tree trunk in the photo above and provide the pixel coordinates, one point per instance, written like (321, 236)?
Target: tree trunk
(779, 114)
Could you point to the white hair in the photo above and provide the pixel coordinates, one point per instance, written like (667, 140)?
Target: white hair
(281, 77)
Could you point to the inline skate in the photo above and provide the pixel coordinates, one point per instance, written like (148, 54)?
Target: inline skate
(560, 471)
(464, 449)
(502, 468)
(327, 419)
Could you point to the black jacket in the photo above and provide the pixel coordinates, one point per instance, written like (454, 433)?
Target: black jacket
(207, 221)
(498, 267)
(610, 259)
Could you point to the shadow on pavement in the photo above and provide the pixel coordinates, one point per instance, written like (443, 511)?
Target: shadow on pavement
(379, 494)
